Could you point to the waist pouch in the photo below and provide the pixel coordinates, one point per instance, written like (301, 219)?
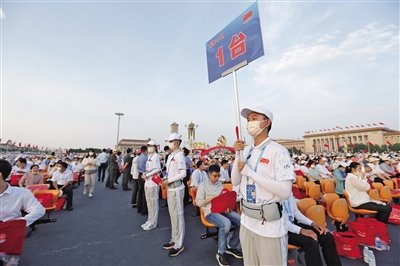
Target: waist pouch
(175, 184)
(265, 212)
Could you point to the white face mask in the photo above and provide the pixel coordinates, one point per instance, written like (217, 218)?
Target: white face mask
(312, 166)
(253, 128)
(91, 153)
(151, 149)
(171, 145)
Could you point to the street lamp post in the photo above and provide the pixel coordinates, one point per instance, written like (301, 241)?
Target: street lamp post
(119, 118)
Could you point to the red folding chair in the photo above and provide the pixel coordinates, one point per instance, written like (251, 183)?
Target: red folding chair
(12, 235)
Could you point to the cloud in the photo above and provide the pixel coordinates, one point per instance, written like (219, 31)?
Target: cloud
(335, 78)
(2, 15)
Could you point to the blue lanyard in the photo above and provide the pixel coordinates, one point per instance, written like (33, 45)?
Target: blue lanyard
(263, 147)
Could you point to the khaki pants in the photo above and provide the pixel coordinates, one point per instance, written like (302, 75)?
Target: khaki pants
(152, 204)
(266, 251)
(175, 208)
(89, 182)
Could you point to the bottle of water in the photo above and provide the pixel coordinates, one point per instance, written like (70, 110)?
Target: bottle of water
(371, 258)
(365, 253)
(378, 243)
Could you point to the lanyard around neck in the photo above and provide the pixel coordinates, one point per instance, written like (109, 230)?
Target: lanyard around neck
(263, 147)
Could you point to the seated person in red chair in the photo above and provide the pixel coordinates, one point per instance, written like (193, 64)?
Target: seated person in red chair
(31, 178)
(62, 179)
(14, 200)
(20, 167)
(309, 236)
(206, 191)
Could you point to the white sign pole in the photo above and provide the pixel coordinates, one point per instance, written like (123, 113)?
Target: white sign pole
(238, 123)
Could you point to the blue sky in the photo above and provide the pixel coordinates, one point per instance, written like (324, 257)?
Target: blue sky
(67, 67)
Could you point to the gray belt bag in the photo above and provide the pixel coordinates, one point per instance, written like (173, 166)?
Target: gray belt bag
(266, 212)
(175, 184)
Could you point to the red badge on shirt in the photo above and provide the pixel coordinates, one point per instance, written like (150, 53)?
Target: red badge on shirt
(264, 160)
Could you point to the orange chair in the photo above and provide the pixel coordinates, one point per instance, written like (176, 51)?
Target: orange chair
(55, 193)
(388, 183)
(304, 204)
(307, 186)
(374, 194)
(377, 185)
(317, 214)
(330, 187)
(357, 212)
(300, 180)
(329, 199)
(208, 226)
(386, 194)
(340, 213)
(314, 192)
(228, 186)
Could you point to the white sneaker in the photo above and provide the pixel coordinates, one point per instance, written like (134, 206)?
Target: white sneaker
(90, 195)
(84, 192)
(148, 227)
(145, 224)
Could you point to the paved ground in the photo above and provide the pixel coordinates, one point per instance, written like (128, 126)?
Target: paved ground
(105, 230)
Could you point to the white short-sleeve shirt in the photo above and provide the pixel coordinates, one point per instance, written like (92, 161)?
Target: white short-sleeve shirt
(275, 164)
(62, 178)
(175, 163)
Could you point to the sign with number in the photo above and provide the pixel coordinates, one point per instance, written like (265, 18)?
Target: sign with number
(236, 45)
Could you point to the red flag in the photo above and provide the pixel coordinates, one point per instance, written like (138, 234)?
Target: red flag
(370, 143)
(388, 142)
(326, 145)
(237, 132)
(19, 144)
(381, 123)
(352, 145)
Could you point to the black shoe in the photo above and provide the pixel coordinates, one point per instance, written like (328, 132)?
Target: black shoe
(175, 251)
(234, 252)
(168, 245)
(69, 209)
(134, 205)
(114, 188)
(116, 182)
(222, 260)
(126, 189)
(144, 213)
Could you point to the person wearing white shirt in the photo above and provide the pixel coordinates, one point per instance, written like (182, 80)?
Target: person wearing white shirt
(89, 162)
(13, 200)
(224, 172)
(20, 167)
(308, 235)
(198, 175)
(62, 179)
(102, 159)
(265, 174)
(176, 171)
(357, 188)
(322, 170)
(135, 185)
(151, 188)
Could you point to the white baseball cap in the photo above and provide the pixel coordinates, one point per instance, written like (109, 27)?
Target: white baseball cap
(175, 136)
(152, 142)
(259, 109)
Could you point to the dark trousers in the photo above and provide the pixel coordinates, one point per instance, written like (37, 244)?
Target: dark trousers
(69, 192)
(102, 172)
(186, 197)
(383, 210)
(135, 190)
(311, 247)
(125, 180)
(111, 178)
(141, 201)
(117, 176)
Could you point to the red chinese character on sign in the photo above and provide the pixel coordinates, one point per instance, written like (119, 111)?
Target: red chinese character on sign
(237, 45)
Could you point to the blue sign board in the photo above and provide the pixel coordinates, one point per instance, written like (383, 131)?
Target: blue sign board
(239, 43)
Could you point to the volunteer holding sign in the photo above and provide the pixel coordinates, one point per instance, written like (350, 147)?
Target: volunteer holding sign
(265, 175)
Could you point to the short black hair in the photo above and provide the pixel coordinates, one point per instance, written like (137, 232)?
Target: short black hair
(214, 168)
(199, 163)
(129, 150)
(63, 164)
(270, 126)
(5, 168)
(224, 162)
(143, 148)
(22, 160)
(33, 165)
(166, 148)
(185, 151)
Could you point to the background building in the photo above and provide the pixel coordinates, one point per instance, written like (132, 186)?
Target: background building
(344, 139)
(292, 145)
(134, 144)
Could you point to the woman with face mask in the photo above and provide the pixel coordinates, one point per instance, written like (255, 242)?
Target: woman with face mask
(31, 178)
(357, 188)
(313, 174)
(89, 163)
(151, 185)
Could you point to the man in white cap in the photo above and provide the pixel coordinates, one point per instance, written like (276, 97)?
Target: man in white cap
(176, 171)
(265, 175)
